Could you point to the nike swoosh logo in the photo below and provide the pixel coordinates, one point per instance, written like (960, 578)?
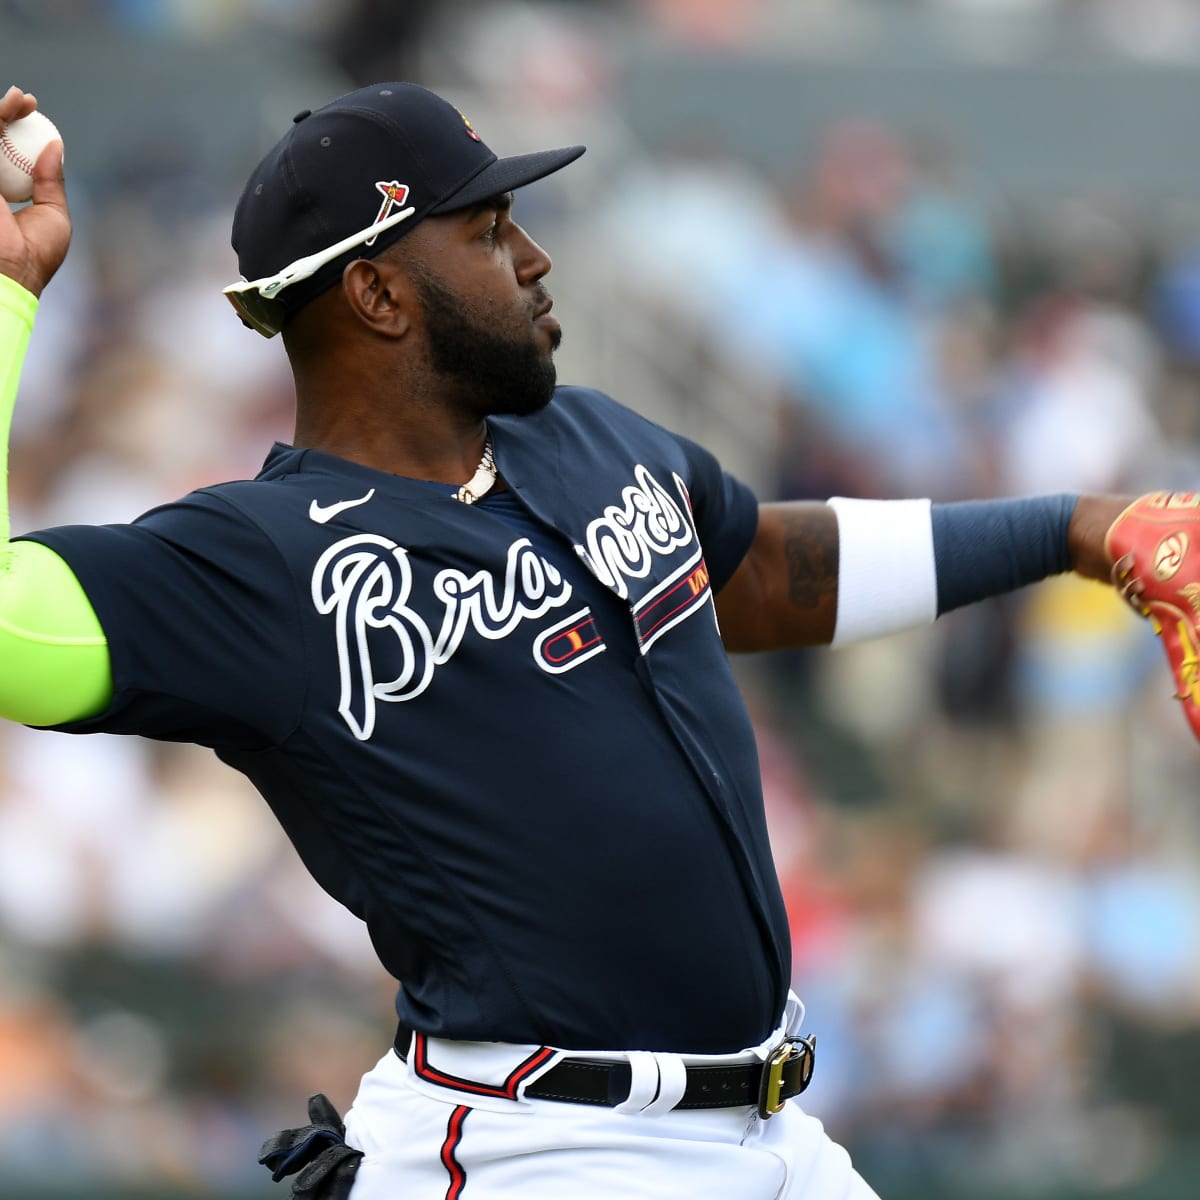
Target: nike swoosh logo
(326, 512)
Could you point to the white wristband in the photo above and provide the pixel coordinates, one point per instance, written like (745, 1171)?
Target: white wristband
(887, 578)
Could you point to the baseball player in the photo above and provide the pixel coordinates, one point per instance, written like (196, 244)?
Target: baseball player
(468, 637)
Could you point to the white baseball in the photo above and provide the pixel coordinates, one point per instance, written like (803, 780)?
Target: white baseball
(20, 144)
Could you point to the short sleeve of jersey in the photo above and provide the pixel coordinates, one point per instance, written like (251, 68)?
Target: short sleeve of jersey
(725, 511)
(201, 621)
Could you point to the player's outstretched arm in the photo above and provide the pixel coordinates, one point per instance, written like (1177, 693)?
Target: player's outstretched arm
(54, 664)
(850, 570)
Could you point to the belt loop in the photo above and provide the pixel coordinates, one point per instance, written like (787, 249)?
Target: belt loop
(793, 1014)
(643, 1082)
(672, 1083)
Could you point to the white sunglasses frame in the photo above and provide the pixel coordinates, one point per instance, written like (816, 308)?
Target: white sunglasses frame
(270, 286)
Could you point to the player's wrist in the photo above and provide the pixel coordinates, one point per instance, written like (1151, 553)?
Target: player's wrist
(1088, 532)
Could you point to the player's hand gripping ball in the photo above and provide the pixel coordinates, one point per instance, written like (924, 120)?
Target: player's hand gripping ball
(1155, 550)
(20, 144)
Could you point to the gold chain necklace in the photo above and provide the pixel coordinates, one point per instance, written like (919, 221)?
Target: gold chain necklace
(483, 480)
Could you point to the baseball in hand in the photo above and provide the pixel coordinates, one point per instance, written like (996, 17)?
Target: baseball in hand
(20, 144)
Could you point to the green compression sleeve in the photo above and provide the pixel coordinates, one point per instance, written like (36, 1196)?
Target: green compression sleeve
(54, 663)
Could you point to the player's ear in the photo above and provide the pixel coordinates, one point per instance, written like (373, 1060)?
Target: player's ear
(380, 295)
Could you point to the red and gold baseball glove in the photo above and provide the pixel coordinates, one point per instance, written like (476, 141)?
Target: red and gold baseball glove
(1155, 548)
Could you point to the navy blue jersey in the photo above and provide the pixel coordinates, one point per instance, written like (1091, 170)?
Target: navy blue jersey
(505, 735)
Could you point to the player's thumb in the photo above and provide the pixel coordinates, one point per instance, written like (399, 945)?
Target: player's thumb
(49, 182)
(46, 223)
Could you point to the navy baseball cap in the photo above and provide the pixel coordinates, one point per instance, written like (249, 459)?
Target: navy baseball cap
(359, 160)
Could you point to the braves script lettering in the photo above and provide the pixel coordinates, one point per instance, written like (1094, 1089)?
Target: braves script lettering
(366, 583)
(623, 543)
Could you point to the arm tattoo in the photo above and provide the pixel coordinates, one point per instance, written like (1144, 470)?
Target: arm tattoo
(811, 548)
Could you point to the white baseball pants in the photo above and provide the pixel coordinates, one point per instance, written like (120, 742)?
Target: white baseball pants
(426, 1141)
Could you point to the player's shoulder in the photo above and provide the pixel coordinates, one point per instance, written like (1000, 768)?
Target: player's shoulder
(262, 508)
(289, 476)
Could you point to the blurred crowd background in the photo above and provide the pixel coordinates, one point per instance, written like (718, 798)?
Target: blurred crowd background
(864, 247)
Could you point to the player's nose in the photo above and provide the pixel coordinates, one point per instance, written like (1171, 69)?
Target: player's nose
(531, 261)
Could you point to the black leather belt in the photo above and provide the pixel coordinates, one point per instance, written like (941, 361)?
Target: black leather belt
(765, 1086)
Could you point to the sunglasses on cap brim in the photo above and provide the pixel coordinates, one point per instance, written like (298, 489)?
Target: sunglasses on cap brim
(255, 300)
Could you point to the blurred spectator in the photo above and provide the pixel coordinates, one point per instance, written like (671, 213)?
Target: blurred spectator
(833, 306)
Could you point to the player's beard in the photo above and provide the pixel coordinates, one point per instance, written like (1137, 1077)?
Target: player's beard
(492, 374)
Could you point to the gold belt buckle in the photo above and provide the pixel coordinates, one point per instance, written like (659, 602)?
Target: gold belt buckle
(770, 1101)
